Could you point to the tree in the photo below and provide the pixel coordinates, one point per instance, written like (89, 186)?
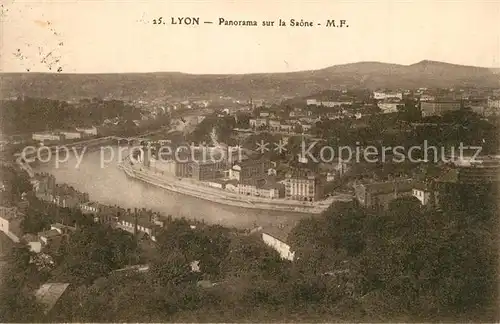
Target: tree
(92, 252)
(174, 268)
(19, 277)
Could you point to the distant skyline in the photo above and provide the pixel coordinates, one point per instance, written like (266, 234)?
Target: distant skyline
(119, 37)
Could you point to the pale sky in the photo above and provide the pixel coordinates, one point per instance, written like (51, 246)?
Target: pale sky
(118, 36)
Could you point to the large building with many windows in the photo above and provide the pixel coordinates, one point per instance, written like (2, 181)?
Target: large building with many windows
(380, 194)
(304, 187)
(266, 188)
(249, 169)
(438, 108)
(206, 170)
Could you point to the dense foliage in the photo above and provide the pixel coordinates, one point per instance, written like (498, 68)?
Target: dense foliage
(36, 114)
(404, 264)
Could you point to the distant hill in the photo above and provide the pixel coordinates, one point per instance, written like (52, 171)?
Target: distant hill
(369, 75)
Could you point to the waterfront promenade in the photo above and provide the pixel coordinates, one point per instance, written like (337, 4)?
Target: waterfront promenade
(204, 191)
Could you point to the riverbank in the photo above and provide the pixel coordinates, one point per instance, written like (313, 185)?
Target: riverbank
(199, 190)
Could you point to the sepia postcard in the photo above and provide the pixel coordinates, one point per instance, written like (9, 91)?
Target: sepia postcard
(249, 161)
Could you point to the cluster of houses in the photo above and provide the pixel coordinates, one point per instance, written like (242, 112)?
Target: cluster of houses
(303, 117)
(245, 176)
(375, 194)
(61, 135)
(436, 102)
(144, 223)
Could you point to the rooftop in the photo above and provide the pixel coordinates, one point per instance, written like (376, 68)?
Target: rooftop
(265, 183)
(49, 233)
(420, 186)
(30, 238)
(449, 176)
(279, 231)
(390, 186)
(49, 293)
(11, 213)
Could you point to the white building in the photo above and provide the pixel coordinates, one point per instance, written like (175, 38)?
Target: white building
(46, 136)
(91, 131)
(494, 103)
(426, 97)
(279, 245)
(258, 122)
(10, 222)
(312, 102)
(71, 134)
(308, 188)
(389, 107)
(331, 104)
(422, 193)
(383, 95)
(33, 242)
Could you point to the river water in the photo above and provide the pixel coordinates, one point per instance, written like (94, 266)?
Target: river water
(109, 185)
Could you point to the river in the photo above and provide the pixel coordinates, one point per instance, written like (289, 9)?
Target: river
(109, 185)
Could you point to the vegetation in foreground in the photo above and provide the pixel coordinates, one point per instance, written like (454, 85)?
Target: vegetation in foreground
(408, 263)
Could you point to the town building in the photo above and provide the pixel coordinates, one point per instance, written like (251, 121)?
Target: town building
(426, 97)
(50, 237)
(424, 194)
(310, 119)
(296, 114)
(288, 128)
(276, 237)
(265, 188)
(71, 134)
(172, 167)
(249, 169)
(389, 106)
(274, 125)
(109, 215)
(380, 194)
(62, 195)
(383, 95)
(280, 246)
(33, 242)
(304, 187)
(332, 104)
(438, 108)
(10, 222)
(257, 122)
(139, 223)
(44, 183)
(46, 136)
(329, 104)
(217, 183)
(89, 131)
(493, 103)
(312, 102)
(334, 115)
(89, 207)
(206, 170)
(306, 127)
